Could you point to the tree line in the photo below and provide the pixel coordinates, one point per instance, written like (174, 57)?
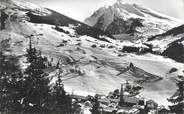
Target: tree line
(28, 91)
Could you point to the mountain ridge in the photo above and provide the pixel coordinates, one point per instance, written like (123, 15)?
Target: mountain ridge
(170, 43)
(153, 23)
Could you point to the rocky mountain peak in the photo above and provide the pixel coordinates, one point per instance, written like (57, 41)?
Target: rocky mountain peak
(119, 17)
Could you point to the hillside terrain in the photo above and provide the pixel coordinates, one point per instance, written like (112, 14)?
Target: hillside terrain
(170, 43)
(92, 60)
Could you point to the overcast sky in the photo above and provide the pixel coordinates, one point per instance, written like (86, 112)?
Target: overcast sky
(80, 9)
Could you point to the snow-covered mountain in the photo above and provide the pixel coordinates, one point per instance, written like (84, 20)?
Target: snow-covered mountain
(140, 25)
(93, 62)
(39, 14)
(130, 21)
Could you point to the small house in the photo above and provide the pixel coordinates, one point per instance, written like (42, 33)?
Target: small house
(128, 101)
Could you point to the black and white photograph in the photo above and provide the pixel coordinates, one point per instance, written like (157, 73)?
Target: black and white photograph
(91, 56)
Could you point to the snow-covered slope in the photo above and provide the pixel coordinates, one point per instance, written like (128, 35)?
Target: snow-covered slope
(92, 62)
(170, 43)
(124, 18)
(23, 5)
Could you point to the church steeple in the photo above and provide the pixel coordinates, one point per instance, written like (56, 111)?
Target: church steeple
(122, 95)
(122, 90)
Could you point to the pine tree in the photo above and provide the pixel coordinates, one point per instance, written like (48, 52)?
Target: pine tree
(10, 80)
(95, 108)
(59, 94)
(36, 89)
(178, 99)
(63, 102)
(3, 18)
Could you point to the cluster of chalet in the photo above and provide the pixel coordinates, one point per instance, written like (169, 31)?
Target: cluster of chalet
(122, 103)
(125, 103)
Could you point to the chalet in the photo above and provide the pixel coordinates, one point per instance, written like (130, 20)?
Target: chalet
(79, 98)
(128, 110)
(104, 101)
(111, 110)
(88, 104)
(128, 101)
(141, 102)
(114, 100)
(151, 104)
(123, 110)
(164, 111)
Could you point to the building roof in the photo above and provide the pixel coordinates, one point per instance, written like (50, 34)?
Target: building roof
(115, 100)
(123, 109)
(78, 97)
(105, 100)
(164, 110)
(110, 109)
